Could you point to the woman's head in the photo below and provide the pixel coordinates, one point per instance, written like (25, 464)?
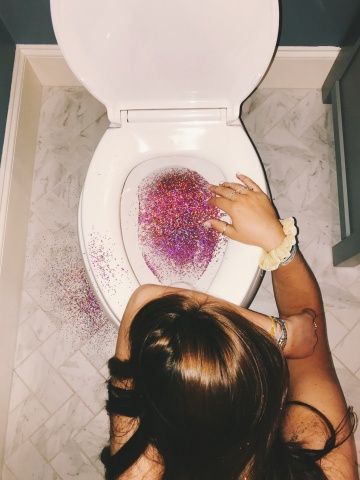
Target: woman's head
(213, 384)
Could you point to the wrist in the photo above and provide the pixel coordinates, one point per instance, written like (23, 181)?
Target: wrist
(274, 237)
(285, 251)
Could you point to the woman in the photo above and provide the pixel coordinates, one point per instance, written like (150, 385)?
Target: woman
(203, 389)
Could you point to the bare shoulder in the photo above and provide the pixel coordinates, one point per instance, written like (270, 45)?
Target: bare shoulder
(311, 427)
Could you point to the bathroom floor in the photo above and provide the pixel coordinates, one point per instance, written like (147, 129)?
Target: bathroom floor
(57, 424)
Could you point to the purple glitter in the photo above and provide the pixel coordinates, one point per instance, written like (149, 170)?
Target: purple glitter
(64, 289)
(173, 205)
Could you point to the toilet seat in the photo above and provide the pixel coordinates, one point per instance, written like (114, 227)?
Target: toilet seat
(172, 77)
(99, 228)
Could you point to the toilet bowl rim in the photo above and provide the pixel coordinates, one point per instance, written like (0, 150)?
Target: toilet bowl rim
(85, 233)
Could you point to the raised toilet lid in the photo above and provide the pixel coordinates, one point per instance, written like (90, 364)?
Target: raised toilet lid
(122, 149)
(137, 54)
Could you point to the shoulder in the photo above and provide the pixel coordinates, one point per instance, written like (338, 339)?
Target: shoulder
(308, 427)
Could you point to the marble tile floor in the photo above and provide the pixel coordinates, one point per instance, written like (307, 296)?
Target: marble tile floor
(56, 422)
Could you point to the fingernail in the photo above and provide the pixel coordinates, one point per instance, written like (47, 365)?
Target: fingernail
(239, 174)
(207, 224)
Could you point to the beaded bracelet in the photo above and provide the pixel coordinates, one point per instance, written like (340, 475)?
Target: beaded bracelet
(285, 252)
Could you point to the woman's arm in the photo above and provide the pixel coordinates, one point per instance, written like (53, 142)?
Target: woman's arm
(313, 379)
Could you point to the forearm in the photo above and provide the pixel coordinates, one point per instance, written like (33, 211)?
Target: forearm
(295, 288)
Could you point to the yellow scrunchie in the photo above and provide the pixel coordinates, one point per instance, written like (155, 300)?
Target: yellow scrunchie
(272, 260)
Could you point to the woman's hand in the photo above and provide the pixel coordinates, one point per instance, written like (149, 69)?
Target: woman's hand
(254, 219)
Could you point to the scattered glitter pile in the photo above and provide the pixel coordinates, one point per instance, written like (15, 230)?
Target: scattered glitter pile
(61, 286)
(101, 256)
(173, 205)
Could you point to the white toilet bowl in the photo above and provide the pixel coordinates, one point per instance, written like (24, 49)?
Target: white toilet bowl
(182, 116)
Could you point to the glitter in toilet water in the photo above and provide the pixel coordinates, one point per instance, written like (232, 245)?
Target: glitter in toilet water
(173, 205)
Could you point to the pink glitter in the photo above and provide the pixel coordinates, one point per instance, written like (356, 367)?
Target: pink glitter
(173, 205)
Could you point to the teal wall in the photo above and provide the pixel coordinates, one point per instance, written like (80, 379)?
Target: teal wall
(317, 22)
(7, 53)
(304, 22)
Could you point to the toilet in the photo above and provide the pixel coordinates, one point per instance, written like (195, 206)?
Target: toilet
(172, 75)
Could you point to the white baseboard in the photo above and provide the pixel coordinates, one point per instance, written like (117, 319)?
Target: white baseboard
(16, 172)
(292, 67)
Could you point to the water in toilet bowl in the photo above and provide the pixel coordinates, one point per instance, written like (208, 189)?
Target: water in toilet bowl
(165, 223)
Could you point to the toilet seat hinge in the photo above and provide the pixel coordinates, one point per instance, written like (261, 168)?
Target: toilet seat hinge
(217, 115)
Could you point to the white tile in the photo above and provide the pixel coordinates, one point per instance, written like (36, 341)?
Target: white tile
(306, 112)
(254, 101)
(94, 437)
(347, 314)
(340, 298)
(71, 462)
(7, 474)
(351, 387)
(38, 247)
(92, 134)
(101, 346)
(69, 189)
(22, 422)
(54, 214)
(19, 392)
(264, 302)
(280, 172)
(27, 306)
(69, 109)
(60, 346)
(318, 254)
(27, 342)
(104, 371)
(261, 119)
(51, 437)
(47, 174)
(46, 290)
(348, 350)
(279, 136)
(335, 329)
(319, 138)
(44, 381)
(70, 152)
(85, 380)
(27, 464)
(42, 324)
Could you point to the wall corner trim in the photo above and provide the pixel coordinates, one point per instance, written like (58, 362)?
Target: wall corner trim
(16, 171)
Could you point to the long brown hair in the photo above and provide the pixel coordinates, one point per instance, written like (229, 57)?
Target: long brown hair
(209, 390)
